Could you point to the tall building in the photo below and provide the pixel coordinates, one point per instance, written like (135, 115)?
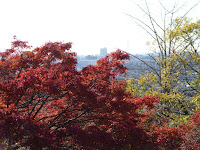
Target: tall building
(103, 52)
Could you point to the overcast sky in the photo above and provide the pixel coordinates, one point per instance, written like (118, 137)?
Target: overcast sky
(88, 24)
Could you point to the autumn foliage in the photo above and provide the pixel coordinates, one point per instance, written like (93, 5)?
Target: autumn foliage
(46, 103)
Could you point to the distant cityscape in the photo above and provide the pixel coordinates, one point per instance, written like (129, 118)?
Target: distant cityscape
(134, 65)
(83, 61)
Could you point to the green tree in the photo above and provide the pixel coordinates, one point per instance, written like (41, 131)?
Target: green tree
(175, 79)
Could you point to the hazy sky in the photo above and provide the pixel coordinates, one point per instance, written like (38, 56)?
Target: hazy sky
(88, 24)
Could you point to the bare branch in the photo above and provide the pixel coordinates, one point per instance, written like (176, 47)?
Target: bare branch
(40, 107)
(146, 64)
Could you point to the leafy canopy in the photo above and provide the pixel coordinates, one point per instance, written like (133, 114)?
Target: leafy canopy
(45, 103)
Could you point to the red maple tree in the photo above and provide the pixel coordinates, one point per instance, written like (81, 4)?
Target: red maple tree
(46, 103)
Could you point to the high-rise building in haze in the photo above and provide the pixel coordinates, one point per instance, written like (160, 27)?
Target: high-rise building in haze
(103, 52)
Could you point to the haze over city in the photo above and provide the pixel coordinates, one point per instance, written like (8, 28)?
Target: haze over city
(89, 24)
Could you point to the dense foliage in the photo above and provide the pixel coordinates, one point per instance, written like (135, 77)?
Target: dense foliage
(174, 77)
(45, 103)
